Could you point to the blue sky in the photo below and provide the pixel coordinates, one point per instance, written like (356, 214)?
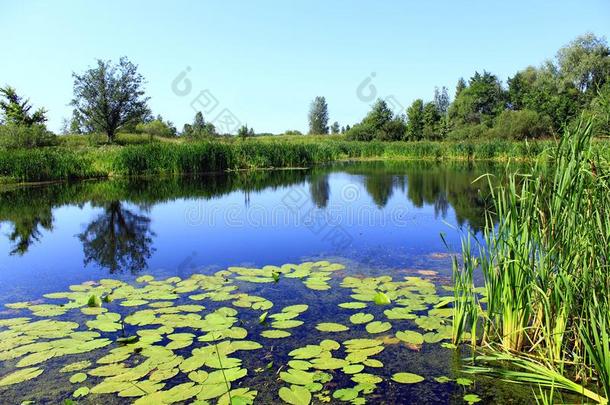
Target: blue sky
(266, 60)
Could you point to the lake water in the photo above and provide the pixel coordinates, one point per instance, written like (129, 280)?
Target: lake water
(353, 221)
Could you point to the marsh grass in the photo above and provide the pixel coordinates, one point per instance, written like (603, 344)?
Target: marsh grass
(545, 317)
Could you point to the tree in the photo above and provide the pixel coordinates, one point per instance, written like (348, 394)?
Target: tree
(199, 128)
(244, 131)
(110, 96)
(543, 90)
(16, 111)
(415, 120)
(431, 119)
(585, 62)
(461, 85)
(318, 116)
(335, 129)
(480, 102)
(198, 122)
(157, 127)
(441, 100)
(380, 123)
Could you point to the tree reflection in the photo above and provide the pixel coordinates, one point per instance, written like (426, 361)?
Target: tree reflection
(118, 240)
(319, 190)
(380, 187)
(27, 230)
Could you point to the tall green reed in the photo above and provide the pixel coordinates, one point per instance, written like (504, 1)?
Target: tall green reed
(544, 263)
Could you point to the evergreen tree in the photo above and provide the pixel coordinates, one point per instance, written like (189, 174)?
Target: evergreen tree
(318, 116)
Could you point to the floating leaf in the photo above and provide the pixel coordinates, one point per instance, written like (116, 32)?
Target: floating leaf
(378, 327)
(353, 305)
(361, 318)
(81, 392)
(94, 301)
(331, 327)
(407, 378)
(78, 378)
(472, 398)
(295, 395)
(411, 337)
(275, 334)
(19, 376)
(464, 381)
(345, 394)
(381, 299)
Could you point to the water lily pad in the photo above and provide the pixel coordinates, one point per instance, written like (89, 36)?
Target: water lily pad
(411, 337)
(361, 318)
(472, 398)
(345, 394)
(275, 334)
(19, 376)
(381, 299)
(295, 395)
(378, 327)
(81, 392)
(78, 378)
(331, 327)
(407, 378)
(353, 305)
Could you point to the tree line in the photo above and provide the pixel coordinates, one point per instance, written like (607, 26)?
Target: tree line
(536, 101)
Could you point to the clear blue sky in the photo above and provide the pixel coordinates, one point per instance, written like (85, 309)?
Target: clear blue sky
(266, 60)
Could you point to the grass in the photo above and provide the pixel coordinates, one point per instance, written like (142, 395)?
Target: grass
(545, 318)
(79, 156)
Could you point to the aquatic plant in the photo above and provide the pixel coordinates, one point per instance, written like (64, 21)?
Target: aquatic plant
(172, 340)
(544, 310)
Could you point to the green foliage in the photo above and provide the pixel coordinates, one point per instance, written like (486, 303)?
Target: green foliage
(21, 136)
(480, 102)
(110, 96)
(318, 116)
(16, 111)
(199, 129)
(244, 131)
(544, 266)
(379, 124)
(157, 127)
(335, 129)
(522, 124)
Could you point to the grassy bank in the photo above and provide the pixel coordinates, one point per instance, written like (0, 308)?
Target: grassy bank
(77, 160)
(543, 315)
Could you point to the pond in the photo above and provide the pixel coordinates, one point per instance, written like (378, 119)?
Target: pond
(323, 285)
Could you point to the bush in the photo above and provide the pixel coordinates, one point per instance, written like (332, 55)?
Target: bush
(469, 132)
(156, 128)
(361, 132)
(22, 136)
(522, 124)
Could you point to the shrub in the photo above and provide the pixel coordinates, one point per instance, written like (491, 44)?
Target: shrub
(469, 132)
(156, 128)
(21, 136)
(522, 124)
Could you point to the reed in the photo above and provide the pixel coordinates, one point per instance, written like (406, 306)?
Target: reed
(545, 267)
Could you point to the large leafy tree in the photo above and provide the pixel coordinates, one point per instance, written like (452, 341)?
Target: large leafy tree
(318, 116)
(415, 120)
(480, 102)
(110, 96)
(543, 90)
(15, 110)
(585, 62)
(380, 123)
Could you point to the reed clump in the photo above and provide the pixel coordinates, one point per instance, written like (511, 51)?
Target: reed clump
(543, 313)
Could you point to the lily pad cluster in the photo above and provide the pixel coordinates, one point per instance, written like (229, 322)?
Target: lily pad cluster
(174, 340)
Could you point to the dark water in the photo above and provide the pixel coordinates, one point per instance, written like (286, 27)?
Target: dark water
(377, 218)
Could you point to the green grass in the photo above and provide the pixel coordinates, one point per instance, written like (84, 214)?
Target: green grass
(545, 318)
(80, 156)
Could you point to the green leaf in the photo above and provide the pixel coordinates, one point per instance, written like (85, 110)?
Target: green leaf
(409, 336)
(295, 395)
(94, 301)
(275, 334)
(19, 376)
(331, 327)
(78, 378)
(361, 318)
(353, 305)
(407, 378)
(378, 327)
(381, 299)
(472, 398)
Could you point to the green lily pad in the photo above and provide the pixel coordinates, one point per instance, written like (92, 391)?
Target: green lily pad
(381, 299)
(361, 318)
(407, 378)
(409, 336)
(472, 398)
(331, 327)
(295, 395)
(81, 392)
(275, 334)
(78, 378)
(378, 327)
(19, 376)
